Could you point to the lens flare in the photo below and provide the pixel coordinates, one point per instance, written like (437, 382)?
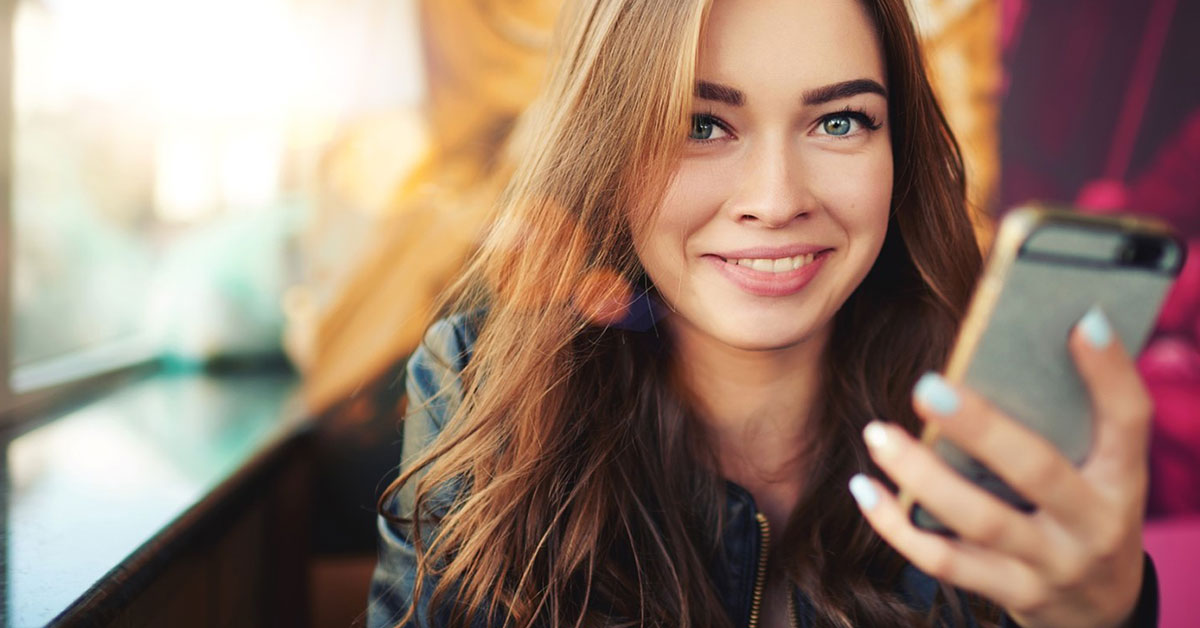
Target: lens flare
(602, 296)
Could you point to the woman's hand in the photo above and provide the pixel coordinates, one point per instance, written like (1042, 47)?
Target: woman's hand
(1077, 560)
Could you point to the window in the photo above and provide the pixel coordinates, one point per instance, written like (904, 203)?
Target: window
(162, 154)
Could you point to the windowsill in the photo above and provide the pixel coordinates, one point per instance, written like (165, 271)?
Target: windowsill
(87, 493)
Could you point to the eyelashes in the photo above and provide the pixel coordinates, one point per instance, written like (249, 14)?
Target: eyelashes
(707, 127)
(858, 115)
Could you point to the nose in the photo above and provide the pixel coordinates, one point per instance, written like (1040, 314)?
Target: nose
(774, 190)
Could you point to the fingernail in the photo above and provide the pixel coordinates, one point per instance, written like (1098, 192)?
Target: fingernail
(933, 391)
(876, 435)
(1095, 328)
(863, 491)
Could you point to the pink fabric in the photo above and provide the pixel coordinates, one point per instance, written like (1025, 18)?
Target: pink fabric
(1175, 547)
(1170, 364)
(1171, 368)
(1170, 188)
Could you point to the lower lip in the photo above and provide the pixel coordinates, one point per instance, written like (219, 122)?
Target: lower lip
(768, 284)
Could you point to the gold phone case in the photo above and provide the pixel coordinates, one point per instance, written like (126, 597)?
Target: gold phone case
(1046, 269)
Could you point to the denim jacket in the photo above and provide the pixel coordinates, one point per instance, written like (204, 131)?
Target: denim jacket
(743, 538)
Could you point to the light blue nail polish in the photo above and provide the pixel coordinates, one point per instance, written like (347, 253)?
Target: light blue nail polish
(934, 392)
(863, 492)
(1095, 328)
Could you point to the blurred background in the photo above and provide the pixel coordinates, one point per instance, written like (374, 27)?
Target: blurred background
(288, 184)
(168, 158)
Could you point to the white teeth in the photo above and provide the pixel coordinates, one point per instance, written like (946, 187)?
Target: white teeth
(774, 265)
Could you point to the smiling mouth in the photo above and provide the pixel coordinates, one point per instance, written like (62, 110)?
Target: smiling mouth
(775, 264)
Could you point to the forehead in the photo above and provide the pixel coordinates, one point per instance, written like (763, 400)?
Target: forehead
(788, 45)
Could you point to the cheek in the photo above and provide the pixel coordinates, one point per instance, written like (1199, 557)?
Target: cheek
(688, 203)
(861, 196)
(693, 196)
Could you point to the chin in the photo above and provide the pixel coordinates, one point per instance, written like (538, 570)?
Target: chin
(766, 333)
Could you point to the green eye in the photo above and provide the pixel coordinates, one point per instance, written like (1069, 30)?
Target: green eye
(837, 125)
(702, 128)
(706, 127)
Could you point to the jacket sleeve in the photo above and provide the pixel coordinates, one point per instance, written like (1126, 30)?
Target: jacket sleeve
(434, 388)
(1145, 612)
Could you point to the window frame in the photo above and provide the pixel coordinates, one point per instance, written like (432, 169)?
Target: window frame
(8, 399)
(34, 391)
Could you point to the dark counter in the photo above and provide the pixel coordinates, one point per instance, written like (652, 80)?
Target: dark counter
(99, 503)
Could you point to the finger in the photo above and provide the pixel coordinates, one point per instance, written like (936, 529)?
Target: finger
(1120, 402)
(973, 513)
(1025, 460)
(1002, 579)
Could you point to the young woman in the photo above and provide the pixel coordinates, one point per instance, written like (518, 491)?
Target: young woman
(774, 186)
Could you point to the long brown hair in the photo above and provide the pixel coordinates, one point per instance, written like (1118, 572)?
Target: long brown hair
(580, 499)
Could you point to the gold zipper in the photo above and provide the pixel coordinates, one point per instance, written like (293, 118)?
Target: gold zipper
(760, 578)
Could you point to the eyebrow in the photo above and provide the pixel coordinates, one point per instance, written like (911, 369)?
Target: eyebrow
(818, 96)
(845, 89)
(720, 93)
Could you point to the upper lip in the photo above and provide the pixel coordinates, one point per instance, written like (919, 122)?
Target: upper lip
(772, 252)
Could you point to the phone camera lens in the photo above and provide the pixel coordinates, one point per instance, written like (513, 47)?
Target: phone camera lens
(1144, 252)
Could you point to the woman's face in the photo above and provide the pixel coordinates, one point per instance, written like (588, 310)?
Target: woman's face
(779, 205)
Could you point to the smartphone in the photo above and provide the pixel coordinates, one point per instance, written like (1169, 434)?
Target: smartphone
(1047, 267)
